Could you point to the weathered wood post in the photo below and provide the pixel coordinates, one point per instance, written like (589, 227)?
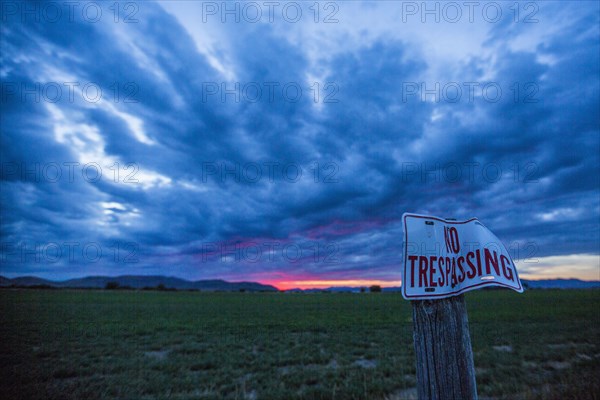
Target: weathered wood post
(438, 268)
(445, 368)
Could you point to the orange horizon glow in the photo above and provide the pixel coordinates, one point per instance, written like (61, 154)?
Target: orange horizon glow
(585, 267)
(325, 283)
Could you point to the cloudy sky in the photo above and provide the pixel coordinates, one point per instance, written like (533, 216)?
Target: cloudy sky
(282, 142)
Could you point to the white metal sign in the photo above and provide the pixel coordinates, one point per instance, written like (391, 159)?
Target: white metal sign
(444, 258)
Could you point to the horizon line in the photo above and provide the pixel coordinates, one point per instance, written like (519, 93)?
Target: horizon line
(301, 284)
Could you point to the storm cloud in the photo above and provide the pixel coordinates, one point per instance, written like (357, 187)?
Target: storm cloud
(162, 140)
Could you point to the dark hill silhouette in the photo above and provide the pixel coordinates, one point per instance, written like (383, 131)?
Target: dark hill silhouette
(138, 282)
(561, 284)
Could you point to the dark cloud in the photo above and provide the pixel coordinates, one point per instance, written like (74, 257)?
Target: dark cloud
(335, 177)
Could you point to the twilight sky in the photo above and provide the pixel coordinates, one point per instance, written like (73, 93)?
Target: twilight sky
(281, 142)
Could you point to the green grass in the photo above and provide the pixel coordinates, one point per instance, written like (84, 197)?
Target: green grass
(185, 345)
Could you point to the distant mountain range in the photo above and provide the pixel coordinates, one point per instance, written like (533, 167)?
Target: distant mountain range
(168, 282)
(561, 284)
(137, 282)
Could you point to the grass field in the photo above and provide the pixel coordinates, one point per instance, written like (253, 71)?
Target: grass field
(67, 344)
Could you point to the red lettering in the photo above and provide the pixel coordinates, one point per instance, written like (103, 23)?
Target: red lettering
(451, 238)
(491, 259)
(453, 272)
(441, 280)
(432, 270)
(471, 274)
(412, 270)
(454, 240)
(506, 270)
(423, 271)
(461, 277)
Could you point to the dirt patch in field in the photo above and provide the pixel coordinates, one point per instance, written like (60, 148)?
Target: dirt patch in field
(530, 364)
(570, 345)
(558, 346)
(559, 365)
(285, 370)
(403, 394)
(159, 355)
(504, 348)
(364, 363)
(583, 357)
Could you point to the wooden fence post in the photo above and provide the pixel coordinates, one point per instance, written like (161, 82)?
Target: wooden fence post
(445, 369)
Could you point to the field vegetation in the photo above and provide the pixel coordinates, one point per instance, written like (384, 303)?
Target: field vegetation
(126, 344)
